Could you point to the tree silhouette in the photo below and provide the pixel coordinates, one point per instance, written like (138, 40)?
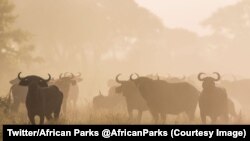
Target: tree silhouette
(231, 29)
(83, 31)
(15, 49)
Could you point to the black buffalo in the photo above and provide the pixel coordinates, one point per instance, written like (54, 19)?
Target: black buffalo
(167, 98)
(17, 94)
(41, 100)
(213, 100)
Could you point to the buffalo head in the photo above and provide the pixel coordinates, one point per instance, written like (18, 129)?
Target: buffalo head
(127, 87)
(33, 79)
(70, 79)
(208, 82)
(77, 78)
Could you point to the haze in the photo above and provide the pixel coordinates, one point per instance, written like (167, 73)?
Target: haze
(101, 38)
(185, 14)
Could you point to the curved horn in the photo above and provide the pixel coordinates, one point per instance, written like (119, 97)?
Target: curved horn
(65, 75)
(72, 75)
(199, 76)
(19, 76)
(79, 74)
(117, 79)
(218, 76)
(47, 80)
(131, 76)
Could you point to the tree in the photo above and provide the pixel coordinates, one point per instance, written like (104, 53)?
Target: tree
(231, 31)
(15, 49)
(87, 32)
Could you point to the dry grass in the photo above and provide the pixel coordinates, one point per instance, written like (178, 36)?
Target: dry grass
(87, 115)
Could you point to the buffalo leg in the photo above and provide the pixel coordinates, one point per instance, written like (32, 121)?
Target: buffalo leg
(31, 118)
(214, 118)
(155, 116)
(49, 116)
(163, 117)
(74, 103)
(41, 119)
(203, 118)
(190, 115)
(226, 118)
(57, 112)
(130, 113)
(139, 116)
(15, 105)
(64, 105)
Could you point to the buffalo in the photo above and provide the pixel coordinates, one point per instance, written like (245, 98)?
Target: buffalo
(107, 102)
(169, 78)
(133, 97)
(74, 90)
(238, 89)
(213, 100)
(17, 93)
(65, 83)
(164, 98)
(41, 100)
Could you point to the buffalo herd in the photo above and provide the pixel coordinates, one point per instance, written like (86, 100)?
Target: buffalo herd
(161, 96)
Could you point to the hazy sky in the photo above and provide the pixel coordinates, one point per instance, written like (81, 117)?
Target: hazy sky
(185, 13)
(65, 23)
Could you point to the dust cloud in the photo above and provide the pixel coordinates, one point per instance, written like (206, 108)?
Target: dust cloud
(102, 38)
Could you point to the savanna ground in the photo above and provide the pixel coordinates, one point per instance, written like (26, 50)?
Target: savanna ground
(86, 114)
